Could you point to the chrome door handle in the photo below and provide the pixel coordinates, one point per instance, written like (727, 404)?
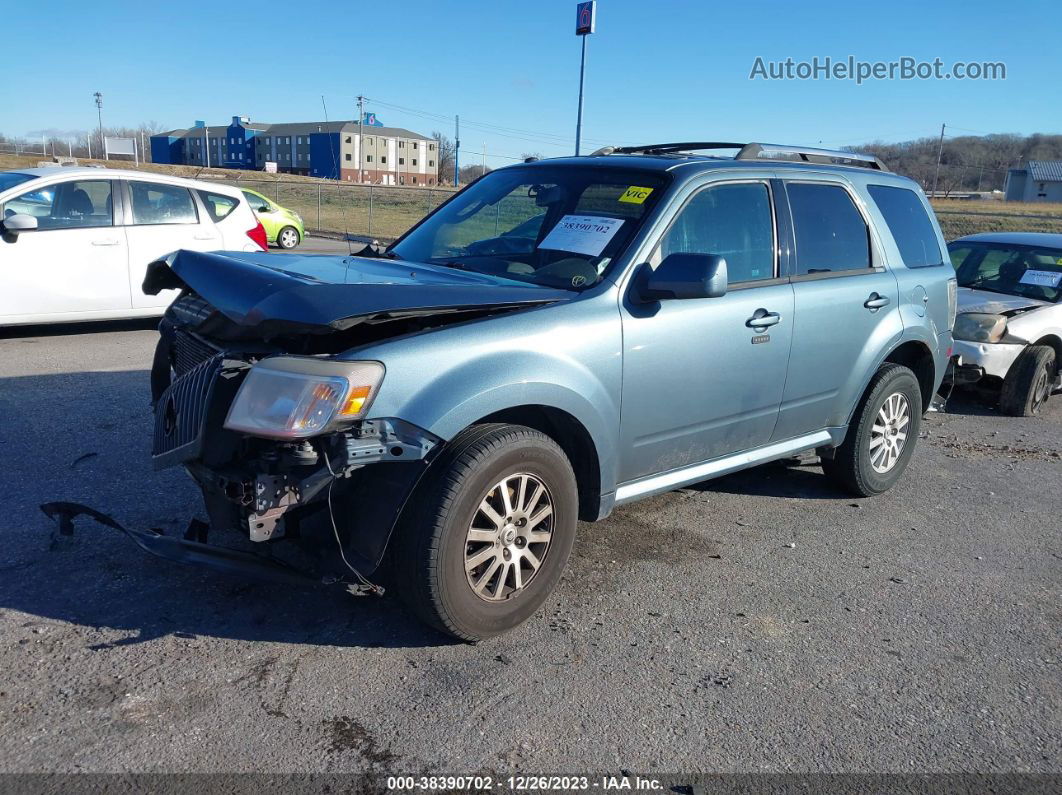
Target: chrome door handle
(761, 318)
(107, 242)
(876, 301)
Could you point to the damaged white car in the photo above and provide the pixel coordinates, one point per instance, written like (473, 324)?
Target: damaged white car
(1008, 333)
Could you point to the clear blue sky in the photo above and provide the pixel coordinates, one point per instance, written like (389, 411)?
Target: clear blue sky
(656, 70)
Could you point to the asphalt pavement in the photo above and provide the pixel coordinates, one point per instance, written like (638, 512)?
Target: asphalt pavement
(757, 623)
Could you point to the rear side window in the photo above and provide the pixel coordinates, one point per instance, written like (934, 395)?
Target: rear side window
(831, 234)
(731, 221)
(218, 205)
(910, 225)
(155, 203)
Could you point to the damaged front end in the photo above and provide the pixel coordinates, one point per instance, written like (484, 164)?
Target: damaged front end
(251, 399)
(337, 493)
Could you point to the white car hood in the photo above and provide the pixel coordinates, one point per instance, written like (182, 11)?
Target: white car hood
(971, 300)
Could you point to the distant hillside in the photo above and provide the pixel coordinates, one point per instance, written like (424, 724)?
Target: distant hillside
(969, 162)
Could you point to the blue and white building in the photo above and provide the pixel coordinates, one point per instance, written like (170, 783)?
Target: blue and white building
(341, 150)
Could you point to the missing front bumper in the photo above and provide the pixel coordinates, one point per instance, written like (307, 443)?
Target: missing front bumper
(184, 550)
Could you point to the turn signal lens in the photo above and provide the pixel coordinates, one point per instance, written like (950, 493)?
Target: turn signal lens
(355, 401)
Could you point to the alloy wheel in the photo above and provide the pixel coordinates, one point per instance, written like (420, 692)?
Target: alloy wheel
(888, 435)
(289, 238)
(509, 537)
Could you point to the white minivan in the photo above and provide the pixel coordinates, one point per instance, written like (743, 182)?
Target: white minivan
(75, 242)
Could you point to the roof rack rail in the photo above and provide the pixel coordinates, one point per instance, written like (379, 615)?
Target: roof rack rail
(803, 154)
(663, 149)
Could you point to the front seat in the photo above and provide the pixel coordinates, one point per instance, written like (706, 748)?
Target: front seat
(79, 203)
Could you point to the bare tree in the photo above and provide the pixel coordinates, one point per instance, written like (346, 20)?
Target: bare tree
(475, 171)
(446, 157)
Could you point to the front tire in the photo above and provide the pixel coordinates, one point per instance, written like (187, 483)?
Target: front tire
(1028, 384)
(288, 237)
(882, 434)
(489, 531)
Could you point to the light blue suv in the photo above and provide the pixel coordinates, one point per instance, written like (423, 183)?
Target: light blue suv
(560, 338)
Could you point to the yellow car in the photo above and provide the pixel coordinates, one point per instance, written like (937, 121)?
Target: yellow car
(283, 227)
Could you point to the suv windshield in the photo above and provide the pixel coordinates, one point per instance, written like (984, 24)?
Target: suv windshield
(1026, 271)
(558, 227)
(9, 179)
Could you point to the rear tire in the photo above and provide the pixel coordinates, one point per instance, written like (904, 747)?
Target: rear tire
(1028, 384)
(882, 434)
(463, 556)
(288, 237)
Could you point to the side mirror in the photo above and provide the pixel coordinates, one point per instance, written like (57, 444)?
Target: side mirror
(263, 209)
(19, 222)
(686, 276)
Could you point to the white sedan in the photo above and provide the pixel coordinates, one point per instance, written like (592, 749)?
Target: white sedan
(75, 242)
(1008, 332)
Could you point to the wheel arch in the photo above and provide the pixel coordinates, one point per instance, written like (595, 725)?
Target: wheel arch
(916, 356)
(1053, 341)
(574, 439)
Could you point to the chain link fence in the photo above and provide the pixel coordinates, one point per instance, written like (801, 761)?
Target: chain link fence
(373, 211)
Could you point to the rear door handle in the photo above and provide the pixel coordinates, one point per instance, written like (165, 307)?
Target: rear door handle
(110, 241)
(206, 237)
(876, 301)
(761, 318)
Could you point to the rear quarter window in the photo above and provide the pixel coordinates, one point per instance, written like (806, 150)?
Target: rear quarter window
(910, 225)
(218, 205)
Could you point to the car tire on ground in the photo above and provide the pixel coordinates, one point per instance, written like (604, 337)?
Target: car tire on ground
(499, 500)
(882, 434)
(288, 237)
(1028, 383)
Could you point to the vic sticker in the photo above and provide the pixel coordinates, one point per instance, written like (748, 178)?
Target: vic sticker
(635, 194)
(582, 234)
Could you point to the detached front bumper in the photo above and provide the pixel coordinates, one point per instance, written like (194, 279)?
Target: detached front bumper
(975, 360)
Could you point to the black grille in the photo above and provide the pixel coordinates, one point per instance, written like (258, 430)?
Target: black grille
(180, 414)
(189, 352)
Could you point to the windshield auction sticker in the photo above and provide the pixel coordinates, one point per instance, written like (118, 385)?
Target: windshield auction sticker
(582, 234)
(1042, 278)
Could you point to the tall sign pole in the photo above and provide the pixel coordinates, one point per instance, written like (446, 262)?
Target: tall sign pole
(585, 19)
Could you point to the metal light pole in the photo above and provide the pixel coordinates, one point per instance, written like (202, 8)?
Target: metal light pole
(585, 19)
(457, 147)
(99, 117)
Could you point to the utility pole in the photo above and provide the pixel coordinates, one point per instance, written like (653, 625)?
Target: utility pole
(585, 19)
(206, 144)
(361, 141)
(99, 118)
(483, 162)
(457, 147)
(940, 152)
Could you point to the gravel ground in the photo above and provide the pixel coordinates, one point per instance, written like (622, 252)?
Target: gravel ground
(760, 622)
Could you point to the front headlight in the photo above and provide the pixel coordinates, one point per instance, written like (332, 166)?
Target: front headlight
(979, 327)
(288, 397)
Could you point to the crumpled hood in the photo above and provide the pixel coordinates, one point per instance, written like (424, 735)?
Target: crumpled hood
(971, 300)
(284, 293)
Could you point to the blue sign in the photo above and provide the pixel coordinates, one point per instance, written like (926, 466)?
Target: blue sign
(585, 18)
(370, 120)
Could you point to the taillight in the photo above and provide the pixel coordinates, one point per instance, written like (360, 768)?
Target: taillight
(258, 235)
(953, 303)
